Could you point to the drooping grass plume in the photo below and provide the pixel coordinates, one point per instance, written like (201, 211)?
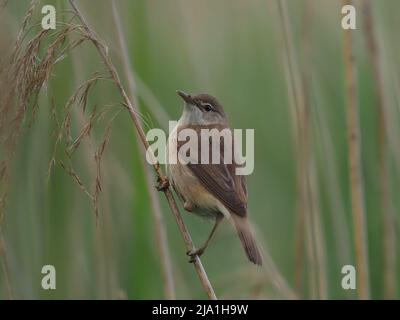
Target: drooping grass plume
(162, 179)
(30, 68)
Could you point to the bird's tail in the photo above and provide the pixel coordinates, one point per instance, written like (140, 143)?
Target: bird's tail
(247, 238)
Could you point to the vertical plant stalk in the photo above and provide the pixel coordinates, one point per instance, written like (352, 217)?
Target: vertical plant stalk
(163, 180)
(315, 211)
(160, 229)
(308, 227)
(355, 177)
(294, 96)
(4, 265)
(394, 115)
(389, 233)
(338, 221)
(300, 219)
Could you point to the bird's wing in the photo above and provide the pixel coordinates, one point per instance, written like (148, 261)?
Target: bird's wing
(221, 179)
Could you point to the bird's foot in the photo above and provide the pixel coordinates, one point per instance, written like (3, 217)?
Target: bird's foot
(194, 253)
(188, 206)
(162, 184)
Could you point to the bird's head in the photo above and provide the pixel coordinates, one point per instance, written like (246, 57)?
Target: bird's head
(202, 109)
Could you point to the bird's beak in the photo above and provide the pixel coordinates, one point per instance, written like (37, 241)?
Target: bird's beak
(186, 97)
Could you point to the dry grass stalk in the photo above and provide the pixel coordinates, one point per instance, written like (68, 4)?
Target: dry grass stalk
(355, 177)
(9, 130)
(315, 212)
(105, 255)
(160, 229)
(26, 74)
(63, 129)
(389, 233)
(9, 121)
(25, 22)
(395, 113)
(134, 116)
(338, 221)
(5, 266)
(76, 178)
(295, 95)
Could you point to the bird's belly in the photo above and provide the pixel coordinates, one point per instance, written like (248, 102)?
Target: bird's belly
(190, 189)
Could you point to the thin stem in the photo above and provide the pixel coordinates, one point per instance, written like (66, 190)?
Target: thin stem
(294, 96)
(308, 224)
(161, 232)
(355, 177)
(133, 113)
(389, 234)
(315, 212)
(338, 222)
(4, 264)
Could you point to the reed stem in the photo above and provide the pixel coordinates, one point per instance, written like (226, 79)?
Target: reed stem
(308, 224)
(160, 229)
(5, 267)
(354, 166)
(161, 177)
(389, 232)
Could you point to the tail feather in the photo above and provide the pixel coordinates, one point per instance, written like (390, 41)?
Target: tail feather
(247, 238)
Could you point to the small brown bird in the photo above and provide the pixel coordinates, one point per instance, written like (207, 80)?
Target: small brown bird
(212, 190)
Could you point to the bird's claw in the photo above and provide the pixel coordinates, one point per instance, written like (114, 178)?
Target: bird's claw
(162, 184)
(194, 253)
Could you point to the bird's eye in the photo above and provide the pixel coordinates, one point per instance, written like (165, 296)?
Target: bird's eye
(207, 107)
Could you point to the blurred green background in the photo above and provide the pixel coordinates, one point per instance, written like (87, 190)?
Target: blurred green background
(232, 49)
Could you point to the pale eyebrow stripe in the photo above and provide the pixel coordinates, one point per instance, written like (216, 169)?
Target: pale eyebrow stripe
(207, 104)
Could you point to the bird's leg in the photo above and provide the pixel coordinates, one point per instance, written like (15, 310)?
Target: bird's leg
(188, 206)
(198, 252)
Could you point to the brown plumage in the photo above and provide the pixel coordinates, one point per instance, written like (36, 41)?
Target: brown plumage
(212, 190)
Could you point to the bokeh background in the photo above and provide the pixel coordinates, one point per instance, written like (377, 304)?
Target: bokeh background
(235, 50)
